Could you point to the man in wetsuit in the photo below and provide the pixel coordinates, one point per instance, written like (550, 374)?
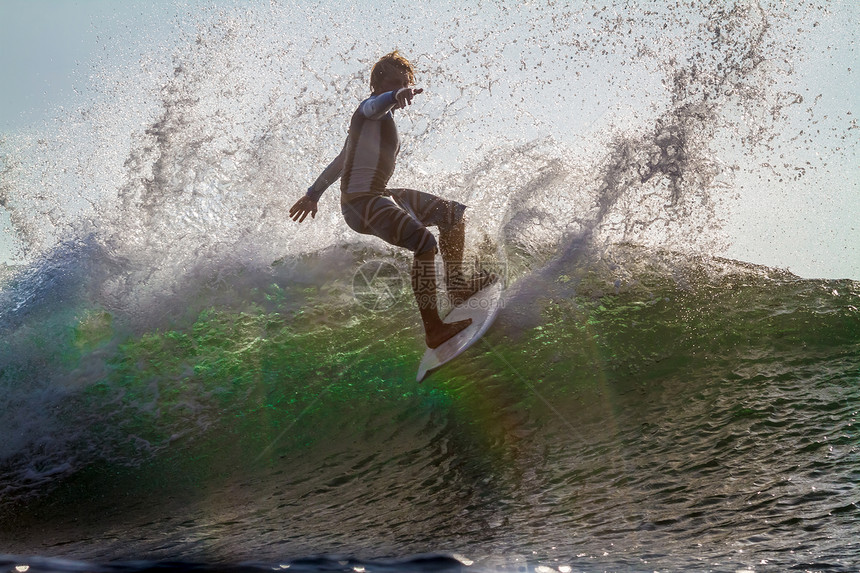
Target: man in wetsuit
(399, 216)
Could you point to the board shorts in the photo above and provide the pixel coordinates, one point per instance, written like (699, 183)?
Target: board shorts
(401, 216)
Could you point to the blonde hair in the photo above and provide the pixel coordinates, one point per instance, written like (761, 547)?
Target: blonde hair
(389, 63)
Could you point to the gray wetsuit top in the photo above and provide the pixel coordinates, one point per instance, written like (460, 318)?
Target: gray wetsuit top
(366, 162)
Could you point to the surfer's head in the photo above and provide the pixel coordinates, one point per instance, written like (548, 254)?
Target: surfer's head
(391, 69)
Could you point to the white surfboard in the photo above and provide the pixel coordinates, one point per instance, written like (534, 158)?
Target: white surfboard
(482, 307)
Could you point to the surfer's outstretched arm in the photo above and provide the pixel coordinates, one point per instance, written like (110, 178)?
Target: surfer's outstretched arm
(308, 204)
(376, 106)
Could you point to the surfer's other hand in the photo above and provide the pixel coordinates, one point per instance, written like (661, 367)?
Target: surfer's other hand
(303, 206)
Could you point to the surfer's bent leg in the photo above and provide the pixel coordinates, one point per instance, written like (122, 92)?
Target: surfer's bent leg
(397, 222)
(448, 216)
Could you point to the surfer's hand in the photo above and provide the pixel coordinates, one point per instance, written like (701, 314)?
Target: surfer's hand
(303, 206)
(404, 96)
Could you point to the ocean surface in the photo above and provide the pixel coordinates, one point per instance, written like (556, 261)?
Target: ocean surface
(190, 381)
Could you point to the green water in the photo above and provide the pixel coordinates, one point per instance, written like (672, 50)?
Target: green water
(715, 403)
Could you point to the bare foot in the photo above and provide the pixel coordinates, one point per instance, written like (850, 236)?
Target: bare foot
(461, 288)
(447, 331)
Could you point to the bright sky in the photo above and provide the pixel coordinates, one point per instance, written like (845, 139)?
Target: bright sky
(46, 46)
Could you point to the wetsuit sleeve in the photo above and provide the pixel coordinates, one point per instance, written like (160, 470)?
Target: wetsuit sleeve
(375, 107)
(329, 175)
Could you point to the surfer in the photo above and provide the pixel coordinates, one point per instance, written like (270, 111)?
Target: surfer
(398, 216)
